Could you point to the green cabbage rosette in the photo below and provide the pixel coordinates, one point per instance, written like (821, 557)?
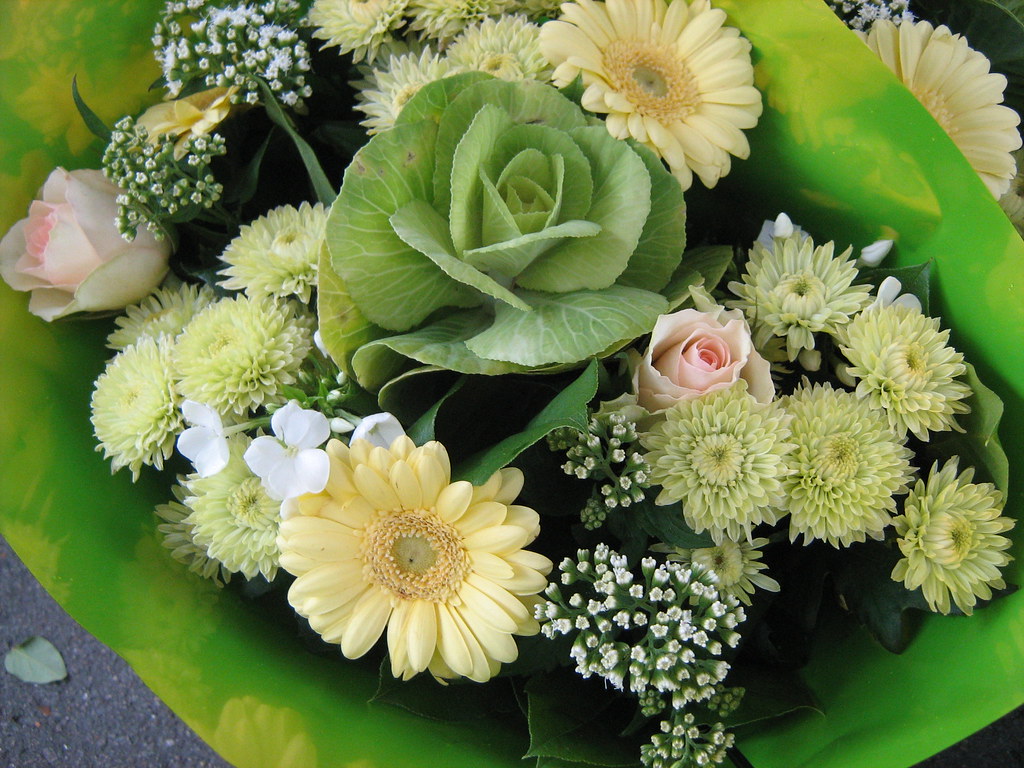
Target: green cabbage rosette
(494, 229)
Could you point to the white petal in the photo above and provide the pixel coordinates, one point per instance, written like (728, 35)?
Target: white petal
(263, 455)
(207, 450)
(300, 428)
(872, 255)
(783, 226)
(313, 467)
(381, 429)
(199, 415)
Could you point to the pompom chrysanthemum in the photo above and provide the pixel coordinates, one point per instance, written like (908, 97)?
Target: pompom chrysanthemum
(667, 74)
(846, 469)
(359, 27)
(238, 353)
(277, 254)
(178, 537)
(166, 311)
(393, 543)
(950, 537)
(233, 516)
(793, 290)
(904, 366)
(953, 82)
(736, 565)
(508, 48)
(443, 19)
(386, 89)
(723, 456)
(135, 407)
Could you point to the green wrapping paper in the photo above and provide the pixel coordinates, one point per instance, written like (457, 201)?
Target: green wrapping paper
(842, 147)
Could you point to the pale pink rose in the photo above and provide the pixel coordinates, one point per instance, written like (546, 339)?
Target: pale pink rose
(693, 352)
(69, 254)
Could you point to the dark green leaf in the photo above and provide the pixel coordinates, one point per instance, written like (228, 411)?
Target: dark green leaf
(241, 188)
(706, 263)
(423, 430)
(427, 698)
(666, 524)
(770, 692)
(343, 136)
(863, 579)
(90, 118)
(567, 409)
(325, 192)
(978, 445)
(568, 722)
(913, 279)
(538, 653)
(35, 661)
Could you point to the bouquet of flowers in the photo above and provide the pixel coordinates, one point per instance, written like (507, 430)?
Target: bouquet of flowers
(475, 354)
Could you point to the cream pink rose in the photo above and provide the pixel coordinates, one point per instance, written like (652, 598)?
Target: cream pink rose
(69, 254)
(694, 352)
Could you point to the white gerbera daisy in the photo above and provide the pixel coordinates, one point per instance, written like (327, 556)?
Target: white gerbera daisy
(953, 82)
(508, 48)
(357, 26)
(669, 75)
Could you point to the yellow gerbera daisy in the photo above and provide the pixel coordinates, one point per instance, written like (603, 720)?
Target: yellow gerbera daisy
(952, 81)
(194, 115)
(392, 542)
(667, 74)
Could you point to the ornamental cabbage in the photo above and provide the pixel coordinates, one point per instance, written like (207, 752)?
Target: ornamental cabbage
(494, 229)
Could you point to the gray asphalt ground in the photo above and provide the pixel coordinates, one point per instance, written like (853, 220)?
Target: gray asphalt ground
(103, 716)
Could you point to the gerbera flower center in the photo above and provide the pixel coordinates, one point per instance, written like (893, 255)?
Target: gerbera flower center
(415, 556)
(718, 459)
(652, 78)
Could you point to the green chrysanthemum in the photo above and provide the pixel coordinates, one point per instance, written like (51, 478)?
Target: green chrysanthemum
(234, 518)
(178, 537)
(386, 89)
(736, 564)
(277, 254)
(508, 48)
(358, 27)
(950, 538)
(165, 311)
(135, 407)
(444, 19)
(794, 290)
(846, 468)
(238, 353)
(723, 456)
(904, 366)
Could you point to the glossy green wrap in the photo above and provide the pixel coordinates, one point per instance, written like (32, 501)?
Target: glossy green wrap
(842, 147)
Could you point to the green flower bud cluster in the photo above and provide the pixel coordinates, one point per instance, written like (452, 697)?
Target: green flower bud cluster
(683, 743)
(156, 188)
(605, 452)
(234, 46)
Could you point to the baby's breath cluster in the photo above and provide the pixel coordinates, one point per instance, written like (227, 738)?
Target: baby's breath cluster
(157, 188)
(660, 635)
(861, 14)
(608, 451)
(234, 45)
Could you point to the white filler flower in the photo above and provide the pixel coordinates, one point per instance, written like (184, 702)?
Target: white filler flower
(203, 443)
(291, 463)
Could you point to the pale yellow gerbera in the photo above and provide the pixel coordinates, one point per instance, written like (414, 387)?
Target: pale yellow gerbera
(194, 115)
(953, 82)
(392, 543)
(669, 75)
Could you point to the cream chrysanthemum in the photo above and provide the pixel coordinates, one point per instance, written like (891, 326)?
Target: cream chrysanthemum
(723, 456)
(442, 20)
(508, 48)
(277, 254)
(736, 564)
(846, 468)
(135, 407)
(538, 9)
(669, 75)
(794, 290)
(233, 517)
(950, 539)
(238, 353)
(385, 90)
(178, 537)
(904, 366)
(359, 27)
(392, 542)
(953, 82)
(166, 311)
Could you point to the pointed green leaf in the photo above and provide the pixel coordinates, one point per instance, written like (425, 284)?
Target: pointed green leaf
(343, 328)
(36, 661)
(394, 286)
(666, 524)
(90, 118)
(422, 228)
(770, 692)
(565, 328)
